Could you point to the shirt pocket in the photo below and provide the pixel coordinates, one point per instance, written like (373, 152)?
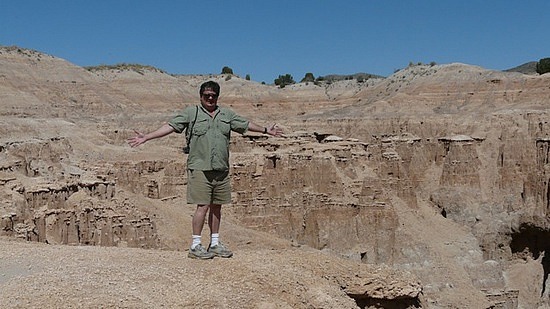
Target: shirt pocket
(225, 126)
(200, 127)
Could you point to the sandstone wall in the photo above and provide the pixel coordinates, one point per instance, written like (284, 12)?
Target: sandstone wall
(490, 176)
(331, 194)
(45, 198)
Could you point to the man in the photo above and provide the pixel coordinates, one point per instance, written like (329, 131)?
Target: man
(209, 128)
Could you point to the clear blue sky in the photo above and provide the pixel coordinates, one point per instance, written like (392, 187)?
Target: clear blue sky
(270, 38)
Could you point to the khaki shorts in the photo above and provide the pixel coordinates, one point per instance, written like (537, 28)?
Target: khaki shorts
(208, 187)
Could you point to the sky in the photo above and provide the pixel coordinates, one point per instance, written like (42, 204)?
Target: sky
(265, 39)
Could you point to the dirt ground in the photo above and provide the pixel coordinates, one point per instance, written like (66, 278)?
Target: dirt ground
(34, 275)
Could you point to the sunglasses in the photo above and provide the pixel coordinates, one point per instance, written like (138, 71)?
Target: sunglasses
(208, 95)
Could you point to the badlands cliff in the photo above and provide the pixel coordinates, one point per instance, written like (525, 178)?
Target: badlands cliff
(426, 189)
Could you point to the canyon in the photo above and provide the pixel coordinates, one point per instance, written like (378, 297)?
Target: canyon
(429, 188)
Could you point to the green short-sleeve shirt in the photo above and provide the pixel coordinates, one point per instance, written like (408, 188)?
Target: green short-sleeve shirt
(209, 142)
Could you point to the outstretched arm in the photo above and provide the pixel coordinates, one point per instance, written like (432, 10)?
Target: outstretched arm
(141, 138)
(271, 130)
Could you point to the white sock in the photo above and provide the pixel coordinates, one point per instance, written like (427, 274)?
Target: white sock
(214, 239)
(196, 241)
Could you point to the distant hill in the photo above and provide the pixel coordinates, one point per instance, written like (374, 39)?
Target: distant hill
(529, 68)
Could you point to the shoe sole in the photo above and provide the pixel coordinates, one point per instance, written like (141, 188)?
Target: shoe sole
(223, 255)
(192, 256)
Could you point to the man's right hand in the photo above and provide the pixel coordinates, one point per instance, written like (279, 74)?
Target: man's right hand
(137, 140)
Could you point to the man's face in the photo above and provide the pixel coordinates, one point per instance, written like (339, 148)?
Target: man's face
(209, 99)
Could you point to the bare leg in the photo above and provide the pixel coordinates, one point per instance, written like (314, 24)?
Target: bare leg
(214, 218)
(198, 218)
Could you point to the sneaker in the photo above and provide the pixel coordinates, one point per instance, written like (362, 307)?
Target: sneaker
(220, 250)
(200, 253)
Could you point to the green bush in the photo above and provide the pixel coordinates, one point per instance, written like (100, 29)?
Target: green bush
(227, 70)
(543, 66)
(308, 78)
(139, 68)
(284, 80)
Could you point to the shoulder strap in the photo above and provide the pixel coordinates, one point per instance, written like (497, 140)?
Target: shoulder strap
(190, 127)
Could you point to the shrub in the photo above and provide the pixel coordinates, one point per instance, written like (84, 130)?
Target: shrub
(543, 66)
(139, 68)
(227, 70)
(284, 80)
(308, 78)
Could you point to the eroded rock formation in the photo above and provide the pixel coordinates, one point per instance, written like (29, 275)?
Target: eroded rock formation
(438, 171)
